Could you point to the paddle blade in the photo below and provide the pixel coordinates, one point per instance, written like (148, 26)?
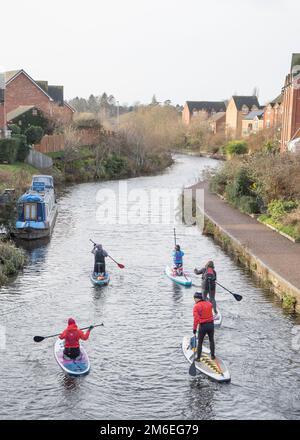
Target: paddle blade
(193, 370)
(38, 338)
(238, 297)
(121, 266)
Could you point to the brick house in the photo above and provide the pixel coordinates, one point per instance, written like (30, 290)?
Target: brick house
(22, 90)
(201, 109)
(239, 107)
(217, 122)
(253, 123)
(291, 104)
(273, 113)
(2, 107)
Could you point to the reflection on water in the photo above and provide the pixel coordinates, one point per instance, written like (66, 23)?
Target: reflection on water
(137, 368)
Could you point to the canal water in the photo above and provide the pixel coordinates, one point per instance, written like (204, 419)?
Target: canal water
(138, 370)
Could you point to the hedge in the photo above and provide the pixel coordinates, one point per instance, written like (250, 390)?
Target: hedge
(23, 148)
(9, 150)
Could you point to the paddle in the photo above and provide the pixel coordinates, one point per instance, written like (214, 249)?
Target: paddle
(192, 369)
(236, 295)
(41, 338)
(121, 266)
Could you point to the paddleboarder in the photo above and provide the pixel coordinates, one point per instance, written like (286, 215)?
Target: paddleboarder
(209, 277)
(72, 335)
(203, 317)
(100, 255)
(177, 260)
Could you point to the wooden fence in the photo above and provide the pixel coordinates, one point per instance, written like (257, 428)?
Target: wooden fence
(51, 143)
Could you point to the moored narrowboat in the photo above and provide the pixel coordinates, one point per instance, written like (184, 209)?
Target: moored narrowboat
(37, 210)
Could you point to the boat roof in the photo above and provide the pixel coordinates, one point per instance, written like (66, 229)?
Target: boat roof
(42, 175)
(31, 198)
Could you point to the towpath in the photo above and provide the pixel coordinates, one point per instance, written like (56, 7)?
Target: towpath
(275, 251)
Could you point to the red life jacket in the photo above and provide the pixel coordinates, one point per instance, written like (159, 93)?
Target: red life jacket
(202, 313)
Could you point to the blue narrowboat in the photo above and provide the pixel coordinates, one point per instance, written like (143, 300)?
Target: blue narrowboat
(37, 210)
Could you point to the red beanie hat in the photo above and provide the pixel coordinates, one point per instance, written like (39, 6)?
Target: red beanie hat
(71, 321)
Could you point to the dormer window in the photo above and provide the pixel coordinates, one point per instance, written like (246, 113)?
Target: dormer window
(245, 110)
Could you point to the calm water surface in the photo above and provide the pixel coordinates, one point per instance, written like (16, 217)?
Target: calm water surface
(138, 370)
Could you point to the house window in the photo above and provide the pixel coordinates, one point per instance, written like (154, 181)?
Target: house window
(268, 124)
(34, 112)
(30, 211)
(245, 110)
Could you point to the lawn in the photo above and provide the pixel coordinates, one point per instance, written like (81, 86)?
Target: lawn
(292, 231)
(17, 175)
(18, 166)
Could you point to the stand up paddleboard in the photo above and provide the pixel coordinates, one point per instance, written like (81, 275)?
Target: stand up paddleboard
(183, 280)
(215, 369)
(74, 367)
(218, 320)
(100, 280)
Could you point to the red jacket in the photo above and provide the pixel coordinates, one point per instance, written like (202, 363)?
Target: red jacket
(202, 313)
(72, 335)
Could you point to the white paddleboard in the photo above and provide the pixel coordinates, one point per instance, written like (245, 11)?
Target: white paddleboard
(74, 367)
(183, 280)
(215, 369)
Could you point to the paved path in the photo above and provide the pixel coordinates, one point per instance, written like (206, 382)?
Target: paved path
(275, 251)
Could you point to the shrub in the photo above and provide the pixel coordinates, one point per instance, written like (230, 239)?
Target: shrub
(34, 134)
(292, 218)
(249, 205)
(8, 150)
(14, 128)
(114, 165)
(278, 208)
(23, 147)
(236, 148)
(239, 187)
(271, 146)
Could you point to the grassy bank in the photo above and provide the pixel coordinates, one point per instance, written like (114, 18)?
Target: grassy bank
(92, 164)
(17, 175)
(291, 231)
(265, 183)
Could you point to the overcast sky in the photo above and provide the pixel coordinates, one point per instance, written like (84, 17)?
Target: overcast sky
(178, 49)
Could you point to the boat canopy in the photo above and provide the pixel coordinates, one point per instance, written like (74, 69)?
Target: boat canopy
(30, 198)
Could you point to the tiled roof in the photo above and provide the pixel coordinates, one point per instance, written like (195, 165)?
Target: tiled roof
(295, 60)
(209, 106)
(215, 117)
(56, 93)
(19, 111)
(249, 101)
(256, 113)
(277, 100)
(10, 74)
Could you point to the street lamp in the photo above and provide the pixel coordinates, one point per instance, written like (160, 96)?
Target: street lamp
(118, 114)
